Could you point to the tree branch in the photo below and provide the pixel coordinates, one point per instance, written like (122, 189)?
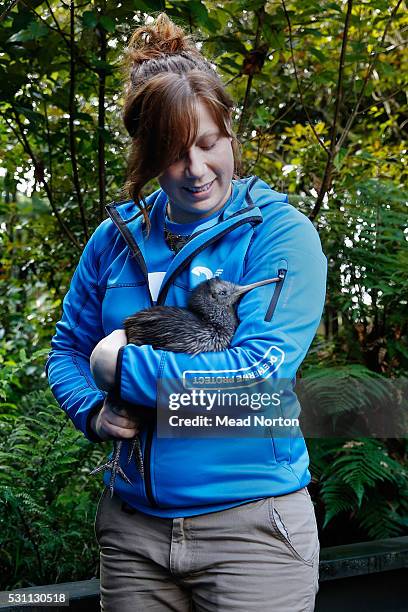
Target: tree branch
(383, 98)
(71, 108)
(61, 33)
(57, 25)
(339, 92)
(258, 154)
(232, 79)
(367, 76)
(339, 98)
(261, 17)
(335, 147)
(287, 110)
(13, 129)
(321, 143)
(101, 124)
(39, 170)
(8, 10)
(47, 128)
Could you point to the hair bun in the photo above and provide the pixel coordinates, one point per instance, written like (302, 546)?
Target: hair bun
(162, 37)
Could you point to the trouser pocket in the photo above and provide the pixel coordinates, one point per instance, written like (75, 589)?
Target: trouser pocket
(292, 518)
(99, 512)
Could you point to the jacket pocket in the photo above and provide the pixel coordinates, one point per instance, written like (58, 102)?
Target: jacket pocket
(282, 271)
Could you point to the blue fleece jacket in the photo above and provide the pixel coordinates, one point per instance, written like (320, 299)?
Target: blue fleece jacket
(258, 235)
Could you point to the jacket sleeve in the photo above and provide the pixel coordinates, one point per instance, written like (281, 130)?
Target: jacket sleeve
(77, 333)
(283, 319)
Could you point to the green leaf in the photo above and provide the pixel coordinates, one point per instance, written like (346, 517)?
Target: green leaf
(149, 5)
(338, 159)
(334, 6)
(313, 32)
(319, 54)
(21, 36)
(107, 23)
(33, 116)
(198, 9)
(89, 19)
(34, 31)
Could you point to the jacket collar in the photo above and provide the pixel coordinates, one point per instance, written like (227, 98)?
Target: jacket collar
(241, 198)
(240, 210)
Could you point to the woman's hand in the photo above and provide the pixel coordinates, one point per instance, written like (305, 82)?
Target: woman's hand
(104, 357)
(114, 422)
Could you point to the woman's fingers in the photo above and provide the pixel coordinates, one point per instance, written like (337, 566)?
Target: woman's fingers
(119, 427)
(114, 421)
(115, 411)
(120, 422)
(117, 431)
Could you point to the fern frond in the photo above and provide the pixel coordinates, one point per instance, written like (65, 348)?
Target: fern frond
(341, 389)
(337, 498)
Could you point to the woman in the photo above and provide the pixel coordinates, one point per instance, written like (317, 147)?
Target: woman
(216, 523)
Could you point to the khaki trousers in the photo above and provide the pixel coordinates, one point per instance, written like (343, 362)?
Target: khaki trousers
(262, 555)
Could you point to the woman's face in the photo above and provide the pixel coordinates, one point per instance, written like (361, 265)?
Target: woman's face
(209, 160)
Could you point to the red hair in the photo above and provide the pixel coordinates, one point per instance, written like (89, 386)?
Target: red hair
(166, 77)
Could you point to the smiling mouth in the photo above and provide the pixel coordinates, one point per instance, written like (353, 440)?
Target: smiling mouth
(202, 189)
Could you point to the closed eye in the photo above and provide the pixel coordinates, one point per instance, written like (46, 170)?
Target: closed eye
(210, 147)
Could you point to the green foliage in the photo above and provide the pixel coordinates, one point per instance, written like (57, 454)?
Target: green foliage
(360, 481)
(351, 400)
(47, 499)
(282, 69)
(11, 372)
(367, 283)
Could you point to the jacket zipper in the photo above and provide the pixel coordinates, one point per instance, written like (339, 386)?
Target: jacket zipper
(132, 244)
(165, 288)
(275, 296)
(130, 241)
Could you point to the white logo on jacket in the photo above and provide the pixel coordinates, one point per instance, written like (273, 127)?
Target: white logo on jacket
(201, 270)
(247, 376)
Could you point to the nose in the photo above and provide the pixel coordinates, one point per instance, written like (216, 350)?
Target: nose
(195, 162)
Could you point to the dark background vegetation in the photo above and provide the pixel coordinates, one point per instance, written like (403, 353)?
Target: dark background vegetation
(321, 112)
